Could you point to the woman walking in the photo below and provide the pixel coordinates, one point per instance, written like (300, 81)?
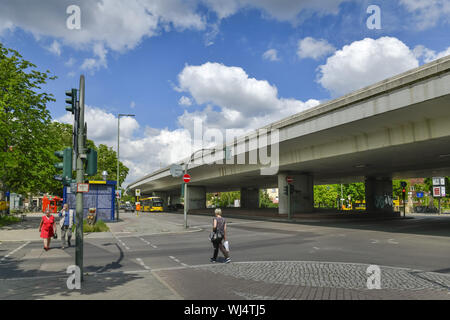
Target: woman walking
(47, 228)
(220, 228)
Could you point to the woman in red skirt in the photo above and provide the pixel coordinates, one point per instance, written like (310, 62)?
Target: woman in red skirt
(47, 228)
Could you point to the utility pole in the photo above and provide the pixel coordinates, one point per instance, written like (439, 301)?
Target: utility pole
(81, 157)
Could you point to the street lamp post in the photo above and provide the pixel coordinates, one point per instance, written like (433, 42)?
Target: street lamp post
(118, 154)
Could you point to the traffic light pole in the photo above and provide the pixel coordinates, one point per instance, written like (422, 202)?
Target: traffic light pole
(185, 199)
(81, 156)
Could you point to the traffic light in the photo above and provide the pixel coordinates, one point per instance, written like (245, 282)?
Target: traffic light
(91, 162)
(403, 184)
(65, 165)
(72, 100)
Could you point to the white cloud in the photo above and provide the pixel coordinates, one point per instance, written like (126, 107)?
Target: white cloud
(427, 13)
(271, 55)
(119, 25)
(282, 10)
(94, 64)
(166, 146)
(185, 101)
(110, 24)
(55, 48)
(315, 49)
(132, 104)
(428, 55)
(233, 99)
(70, 62)
(365, 62)
(235, 102)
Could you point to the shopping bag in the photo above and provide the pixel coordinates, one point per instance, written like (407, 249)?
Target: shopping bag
(226, 245)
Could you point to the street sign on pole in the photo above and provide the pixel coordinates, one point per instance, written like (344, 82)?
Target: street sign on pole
(137, 192)
(436, 192)
(186, 178)
(83, 187)
(289, 179)
(442, 191)
(419, 194)
(438, 181)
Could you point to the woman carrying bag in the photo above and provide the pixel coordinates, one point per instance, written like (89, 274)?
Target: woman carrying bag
(47, 228)
(218, 235)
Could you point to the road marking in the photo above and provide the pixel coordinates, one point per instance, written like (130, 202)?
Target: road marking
(150, 244)
(178, 261)
(316, 248)
(121, 242)
(139, 260)
(374, 241)
(14, 251)
(391, 241)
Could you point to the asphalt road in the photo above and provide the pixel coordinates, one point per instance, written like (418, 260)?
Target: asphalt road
(269, 260)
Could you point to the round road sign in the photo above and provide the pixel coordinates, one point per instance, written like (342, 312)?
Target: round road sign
(186, 178)
(289, 179)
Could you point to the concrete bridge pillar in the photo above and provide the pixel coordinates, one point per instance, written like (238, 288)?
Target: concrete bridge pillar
(174, 199)
(196, 197)
(163, 195)
(302, 199)
(379, 195)
(250, 198)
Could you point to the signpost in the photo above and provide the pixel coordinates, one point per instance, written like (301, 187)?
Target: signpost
(439, 189)
(83, 187)
(186, 179)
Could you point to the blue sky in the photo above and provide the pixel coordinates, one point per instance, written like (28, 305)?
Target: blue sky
(217, 56)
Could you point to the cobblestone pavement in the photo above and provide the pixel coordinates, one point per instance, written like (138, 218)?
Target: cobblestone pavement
(303, 280)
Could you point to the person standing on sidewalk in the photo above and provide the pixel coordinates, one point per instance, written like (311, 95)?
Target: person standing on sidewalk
(220, 228)
(66, 222)
(47, 228)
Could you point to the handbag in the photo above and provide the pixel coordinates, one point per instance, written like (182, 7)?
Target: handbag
(55, 235)
(226, 244)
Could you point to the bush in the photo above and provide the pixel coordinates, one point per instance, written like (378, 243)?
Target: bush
(5, 220)
(99, 226)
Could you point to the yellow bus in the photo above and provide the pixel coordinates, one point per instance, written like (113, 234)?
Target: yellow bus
(356, 205)
(151, 204)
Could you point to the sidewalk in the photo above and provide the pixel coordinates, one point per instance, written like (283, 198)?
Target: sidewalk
(129, 224)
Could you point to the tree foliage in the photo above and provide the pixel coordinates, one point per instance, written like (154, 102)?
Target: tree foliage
(107, 161)
(24, 119)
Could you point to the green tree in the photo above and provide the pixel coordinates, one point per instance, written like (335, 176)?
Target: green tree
(265, 201)
(326, 196)
(107, 161)
(25, 152)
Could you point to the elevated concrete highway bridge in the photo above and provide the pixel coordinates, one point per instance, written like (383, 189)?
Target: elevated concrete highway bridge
(397, 128)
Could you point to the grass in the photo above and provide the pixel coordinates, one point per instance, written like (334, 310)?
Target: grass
(6, 220)
(99, 226)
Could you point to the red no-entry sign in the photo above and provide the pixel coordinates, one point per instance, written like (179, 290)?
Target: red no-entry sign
(186, 178)
(289, 179)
